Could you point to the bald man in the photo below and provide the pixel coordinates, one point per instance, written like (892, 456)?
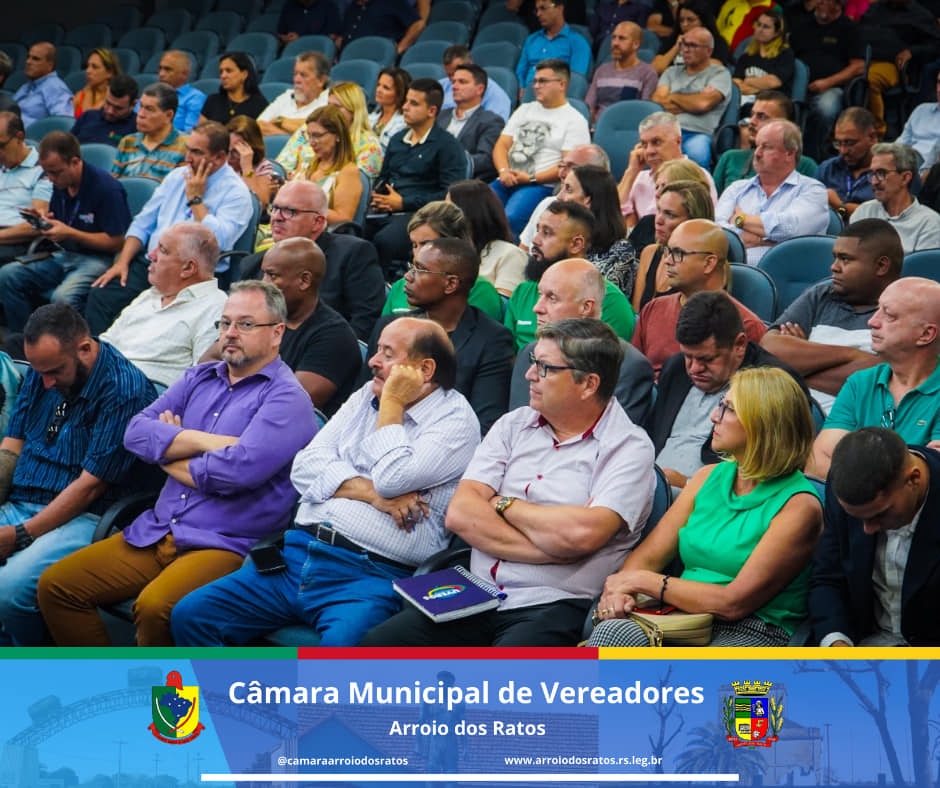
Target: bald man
(374, 486)
(695, 260)
(44, 93)
(903, 392)
(575, 288)
(318, 344)
(625, 77)
(175, 67)
(167, 328)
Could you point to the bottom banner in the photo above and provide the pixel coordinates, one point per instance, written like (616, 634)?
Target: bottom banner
(172, 719)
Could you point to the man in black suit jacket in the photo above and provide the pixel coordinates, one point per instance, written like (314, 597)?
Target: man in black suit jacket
(437, 285)
(353, 284)
(713, 346)
(475, 128)
(882, 523)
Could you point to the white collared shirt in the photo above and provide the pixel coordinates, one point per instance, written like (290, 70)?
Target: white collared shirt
(164, 341)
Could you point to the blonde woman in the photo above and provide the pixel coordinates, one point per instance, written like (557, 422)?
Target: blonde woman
(333, 166)
(745, 529)
(349, 99)
(102, 64)
(767, 63)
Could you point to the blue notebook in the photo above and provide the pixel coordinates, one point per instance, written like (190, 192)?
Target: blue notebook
(449, 594)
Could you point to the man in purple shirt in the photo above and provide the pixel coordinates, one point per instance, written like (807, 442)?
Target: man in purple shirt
(225, 435)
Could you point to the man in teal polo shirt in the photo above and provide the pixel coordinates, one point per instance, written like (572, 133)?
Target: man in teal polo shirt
(903, 393)
(563, 232)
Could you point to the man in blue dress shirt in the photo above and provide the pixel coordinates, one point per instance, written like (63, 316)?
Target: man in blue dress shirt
(45, 93)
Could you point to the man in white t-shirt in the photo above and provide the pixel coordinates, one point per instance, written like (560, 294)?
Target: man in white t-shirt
(538, 134)
(288, 112)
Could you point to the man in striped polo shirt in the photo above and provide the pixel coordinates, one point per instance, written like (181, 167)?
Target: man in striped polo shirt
(157, 148)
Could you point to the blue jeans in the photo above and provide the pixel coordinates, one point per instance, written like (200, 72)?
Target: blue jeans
(19, 612)
(339, 593)
(824, 108)
(698, 147)
(68, 275)
(520, 201)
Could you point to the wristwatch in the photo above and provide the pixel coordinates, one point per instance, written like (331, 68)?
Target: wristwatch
(194, 201)
(739, 221)
(23, 539)
(503, 504)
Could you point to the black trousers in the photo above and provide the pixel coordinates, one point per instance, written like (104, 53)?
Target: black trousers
(553, 624)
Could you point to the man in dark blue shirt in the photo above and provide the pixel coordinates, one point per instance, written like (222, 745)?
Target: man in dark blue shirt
(307, 18)
(394, 19)
(88, 215)
(62, 462)
(115, 119)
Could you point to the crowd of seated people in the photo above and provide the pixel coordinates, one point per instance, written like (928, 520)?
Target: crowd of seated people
(555, 326)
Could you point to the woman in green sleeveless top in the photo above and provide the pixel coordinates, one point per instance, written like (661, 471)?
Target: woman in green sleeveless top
(744, 529)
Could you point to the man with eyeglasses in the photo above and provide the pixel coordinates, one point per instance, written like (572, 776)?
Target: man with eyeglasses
(778, 202)
(224, 435)
(695, 260)
(62, 461)
(696, 92)
(576, 289)
(556, 40)
(374, 485)
(712, 345)
(353, 284)
(875, 570)
(901, 393)
(533, 143)
(84, 227)
(22, 185)
(206, 190)
(847, 175)
(318, 344)
(738, 163)
(557, 493)
(437, 285)
(893, 168)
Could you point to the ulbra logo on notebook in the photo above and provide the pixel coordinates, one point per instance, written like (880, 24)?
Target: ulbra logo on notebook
(443, 592)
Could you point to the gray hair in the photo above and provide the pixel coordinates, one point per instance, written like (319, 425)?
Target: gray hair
(273, 298)
(598, 156)
(660, 120)
(165, 95)
(905, 159)
(792, 137)
(197, 242)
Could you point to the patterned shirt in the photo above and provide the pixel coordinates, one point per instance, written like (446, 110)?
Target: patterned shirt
(89, 433)
(134, 158)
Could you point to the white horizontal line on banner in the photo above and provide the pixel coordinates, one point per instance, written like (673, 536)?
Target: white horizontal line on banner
(471, 778)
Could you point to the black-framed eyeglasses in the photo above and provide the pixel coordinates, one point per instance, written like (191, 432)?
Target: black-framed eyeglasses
(840, 144)
(678, 254)
(290, 212)
(414, 269)
(243, 326)
(887, 418)
(691, 45)
(58, 419)
(879, 175)
(543, 369)
(545, 80)
(724, 407)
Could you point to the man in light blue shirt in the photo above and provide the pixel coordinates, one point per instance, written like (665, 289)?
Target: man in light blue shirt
(555, 40)
(922, 131)
(45, 94)
(174, 71)
(778, 202)
(22, 185)
(206, 190)
(494, 97)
